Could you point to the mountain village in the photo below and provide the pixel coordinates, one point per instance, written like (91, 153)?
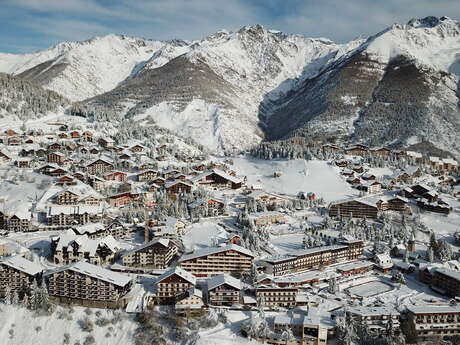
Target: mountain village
(115, 222)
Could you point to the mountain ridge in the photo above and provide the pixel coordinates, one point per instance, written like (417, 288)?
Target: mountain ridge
(265, 84)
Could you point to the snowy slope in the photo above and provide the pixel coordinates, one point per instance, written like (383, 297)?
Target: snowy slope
(297, 176)
(397, 87)
(80, 70)
(225, 83)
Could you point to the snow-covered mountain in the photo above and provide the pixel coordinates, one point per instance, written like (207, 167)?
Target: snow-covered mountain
(217, 91)
(230, 90)
(398, 87)
(80, 70)
(21, 100)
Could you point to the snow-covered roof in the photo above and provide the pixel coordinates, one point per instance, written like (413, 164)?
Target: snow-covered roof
(180, 272)
(163, 241)
(221, 279)
(215, 250)
(19, 263)
(97, 272)
(89, 228)
(86, 244)
(373, 311)
(429, 309)
(450, 273)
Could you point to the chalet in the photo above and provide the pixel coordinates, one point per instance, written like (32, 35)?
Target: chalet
(23, 163)
(368, 177)
(267, 199)
(356, 208)
(106, 142)
(14, 141)
(68, 248)
(381, 151)
(55, 147)
(97, 183)
(160, 181)
(383, 262)
(223, 290)
(4, 157)
(211, 261)
(137, 148)
(342, 163)
(267, 218)
(218, 178)
(47, 169)
(370, 187)
(62, 135)
(208, 207)
(94, 151)
(147, 175)
(415, 157)
(125, 156)
(449, 164)
(169, 174)
(354, 180)
(172, 283)
(75, 134)
(356, 150)
(67, 197)
(11, 132)
(189, 303)
(117, 176)
(156, 254)
(79, 175)
(436, 206)
(170, 227)
(99, 166)
(178, 186)
(58, 172)
(87, 136)
(88, 285)
(331, 148)
(17, 274)
(120, 200)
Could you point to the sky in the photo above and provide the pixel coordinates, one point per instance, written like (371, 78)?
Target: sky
(29, 25)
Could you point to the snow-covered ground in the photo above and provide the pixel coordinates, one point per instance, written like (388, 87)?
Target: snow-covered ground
(200, 235)
(297, 176)
(28, 328)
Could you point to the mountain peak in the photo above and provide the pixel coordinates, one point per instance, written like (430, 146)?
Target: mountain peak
(428, 22)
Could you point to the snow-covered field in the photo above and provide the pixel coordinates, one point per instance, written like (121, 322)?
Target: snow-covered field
(19, 326)
(370, 289)
(297, 176)
(200, 235)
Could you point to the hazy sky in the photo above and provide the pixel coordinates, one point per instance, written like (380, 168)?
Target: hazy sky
(27, 25)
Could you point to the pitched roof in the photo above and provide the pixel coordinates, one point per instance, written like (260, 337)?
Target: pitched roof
(215, 250)
(163, 241)
(180, 272)
(221, 279)
(97, 272)
(21, 264)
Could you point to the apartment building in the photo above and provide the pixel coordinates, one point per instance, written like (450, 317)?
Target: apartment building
(216, 260)
(434, 321)
(223, 290)
(446, 281)
(274, 296)
(68, 248)
(17, 274)
(155, 254)
(379, 320)
(88, 285)
(173, 283)
(314, 257)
